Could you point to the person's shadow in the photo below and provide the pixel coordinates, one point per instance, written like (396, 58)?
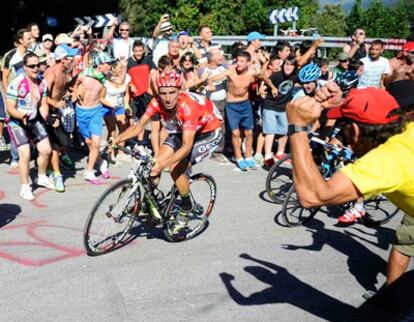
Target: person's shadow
(8, 213)
(287, 288)
(362, 263)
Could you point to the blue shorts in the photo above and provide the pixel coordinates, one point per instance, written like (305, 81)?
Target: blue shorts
(90, 120)
(239, 115)
(108, 111)
(274, 122)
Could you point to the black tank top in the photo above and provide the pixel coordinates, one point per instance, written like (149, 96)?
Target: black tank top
(361, 51)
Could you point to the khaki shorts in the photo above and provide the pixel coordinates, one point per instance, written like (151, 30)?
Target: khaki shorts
(404, 236)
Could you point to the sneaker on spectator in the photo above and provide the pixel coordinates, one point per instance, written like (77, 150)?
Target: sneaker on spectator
(3, 145)
(43, 181)
(351, 216)
(242, 165)
(90, 176)
(67, 162)
(251, 164)
(103, 168)
(269, 163)
(14, 164)
(26, 192)
(58, 180)
(258, 158)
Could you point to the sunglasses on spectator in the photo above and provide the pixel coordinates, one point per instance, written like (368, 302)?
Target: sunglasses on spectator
(32, 66)
(361, 33)
(123, 29)
(411, 52)
(188, 59)
(344, 61)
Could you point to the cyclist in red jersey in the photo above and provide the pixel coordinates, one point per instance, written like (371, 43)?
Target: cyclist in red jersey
(194, 127)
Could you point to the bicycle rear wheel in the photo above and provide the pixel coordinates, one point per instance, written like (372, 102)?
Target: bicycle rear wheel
(111, 218)
(378, 211)
(279, 179)
(292, 212)
(203, 191)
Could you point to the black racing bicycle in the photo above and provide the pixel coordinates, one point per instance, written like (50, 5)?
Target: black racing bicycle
(135, 200)
(329, 158)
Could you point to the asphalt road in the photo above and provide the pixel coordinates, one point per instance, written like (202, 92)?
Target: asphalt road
(245, 267)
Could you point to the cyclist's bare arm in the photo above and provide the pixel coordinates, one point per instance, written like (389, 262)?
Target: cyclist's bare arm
(133, 130)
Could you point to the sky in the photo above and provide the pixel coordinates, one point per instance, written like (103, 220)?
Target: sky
(347, 4)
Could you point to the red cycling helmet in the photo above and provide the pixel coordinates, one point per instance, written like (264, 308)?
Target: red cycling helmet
(169, 79)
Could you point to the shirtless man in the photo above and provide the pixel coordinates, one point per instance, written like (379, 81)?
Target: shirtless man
(402, 67)
(56, 79)
(89, 115)
(238, 107)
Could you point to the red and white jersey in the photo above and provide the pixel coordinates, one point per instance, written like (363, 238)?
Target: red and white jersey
(194, 113)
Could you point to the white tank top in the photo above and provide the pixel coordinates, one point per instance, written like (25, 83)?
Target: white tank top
(114, 94)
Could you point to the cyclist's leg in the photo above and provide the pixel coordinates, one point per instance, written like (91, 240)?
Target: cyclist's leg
(166, 150)
(204, 145)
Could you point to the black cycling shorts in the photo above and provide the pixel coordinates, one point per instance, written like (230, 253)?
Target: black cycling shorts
(204, 144)
(33, 132)
(57, 136)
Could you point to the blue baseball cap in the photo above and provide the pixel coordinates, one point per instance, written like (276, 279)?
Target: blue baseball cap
(182, 33)
(255, 35)
(64, 50)
(69, 50)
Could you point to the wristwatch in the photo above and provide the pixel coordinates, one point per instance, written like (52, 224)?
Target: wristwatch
(292, 129)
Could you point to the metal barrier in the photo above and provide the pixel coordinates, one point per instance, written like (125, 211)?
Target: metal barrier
(329, 42)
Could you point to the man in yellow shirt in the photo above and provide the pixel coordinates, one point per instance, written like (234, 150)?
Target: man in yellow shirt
(378, 134)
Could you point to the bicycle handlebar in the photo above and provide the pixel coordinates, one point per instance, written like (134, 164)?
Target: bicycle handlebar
(346, 152)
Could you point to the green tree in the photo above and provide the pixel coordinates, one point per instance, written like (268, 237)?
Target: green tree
(331, 20)
(143, 15)
(381, 22)
(224, 18)
(356, 17)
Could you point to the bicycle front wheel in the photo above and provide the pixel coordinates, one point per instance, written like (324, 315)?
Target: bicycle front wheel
(111, 218)
(203, 192)
(292, 211)
(279, 179)
(379, 210)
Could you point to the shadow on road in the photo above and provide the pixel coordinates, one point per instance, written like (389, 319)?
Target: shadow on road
(8, 213)
(284, 287)
(362, 263)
